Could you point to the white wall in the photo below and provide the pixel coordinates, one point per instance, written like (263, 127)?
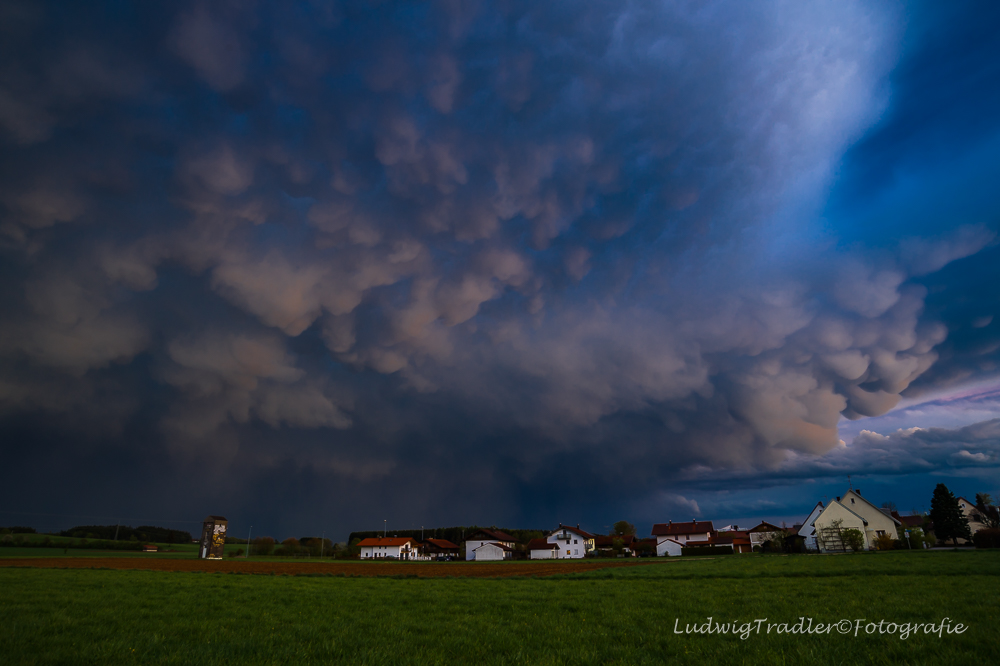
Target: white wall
(488, 553)
(574, 549)
(667, 547)
(543, 554)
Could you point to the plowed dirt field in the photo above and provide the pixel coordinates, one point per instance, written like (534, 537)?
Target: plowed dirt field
(421, 569)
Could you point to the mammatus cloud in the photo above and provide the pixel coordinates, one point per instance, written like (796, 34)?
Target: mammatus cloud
(476, 237)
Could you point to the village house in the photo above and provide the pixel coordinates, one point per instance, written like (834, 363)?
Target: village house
(680, 534)
(484, 536)
(400, 548)
(830, 524)
(542, 549)
(737, 540)
(763, 533)
(571, 542)
(492, 552)
(438, 549)
(854, 512)
(973, 515)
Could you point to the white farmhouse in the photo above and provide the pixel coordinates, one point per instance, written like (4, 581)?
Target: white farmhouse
(571, 542)
(485, 536)
(680, 533)
(830, 524)
(401, 548)
(668, 548)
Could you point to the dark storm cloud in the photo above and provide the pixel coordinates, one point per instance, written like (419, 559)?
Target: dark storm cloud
(459, 246)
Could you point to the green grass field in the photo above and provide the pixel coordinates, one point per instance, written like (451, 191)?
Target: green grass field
(620, 616)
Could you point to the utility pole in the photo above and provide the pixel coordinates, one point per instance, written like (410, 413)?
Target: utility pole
(247, 556)
(385, 523)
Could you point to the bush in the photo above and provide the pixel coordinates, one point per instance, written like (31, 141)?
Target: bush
(987, 538)
(236, 553)
(853, 539)
(263, 546)
(883, 542)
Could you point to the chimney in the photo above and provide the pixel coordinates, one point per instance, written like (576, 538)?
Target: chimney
(838, 498)
(578, 526)
(857, 490)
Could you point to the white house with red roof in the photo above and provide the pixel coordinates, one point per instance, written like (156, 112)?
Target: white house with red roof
(571, 542)
(484, 536)
(492, 552)
(542, 549)
(680, 534)
(401, 548)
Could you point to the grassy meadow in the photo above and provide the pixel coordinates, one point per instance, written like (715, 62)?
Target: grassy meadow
(618, 616)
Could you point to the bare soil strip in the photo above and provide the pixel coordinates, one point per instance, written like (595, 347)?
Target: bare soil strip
(421, 569)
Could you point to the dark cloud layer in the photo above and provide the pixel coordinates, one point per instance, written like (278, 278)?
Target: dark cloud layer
(320, 263)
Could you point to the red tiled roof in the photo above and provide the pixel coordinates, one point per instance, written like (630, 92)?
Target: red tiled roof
(542, 544)
(491, 543)
(674, 529)
(765, 527)
(442, 543)
(909, 521)
(386, 541)
(577, 530)
(493, 534)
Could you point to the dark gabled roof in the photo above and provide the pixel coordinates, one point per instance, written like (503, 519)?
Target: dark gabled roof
(492, 543)
(492, 534)
(765, 527)
(673, 529)
(542, 544)
(909, 521)
(442, 543)
(216, 518)
(576, 530)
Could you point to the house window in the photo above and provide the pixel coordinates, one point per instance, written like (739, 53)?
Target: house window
(852, 500)
(879, 532)
(576, 552)
(575, 542)
(567, 552)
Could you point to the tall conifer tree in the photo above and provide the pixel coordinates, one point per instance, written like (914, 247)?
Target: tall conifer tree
(946, 514)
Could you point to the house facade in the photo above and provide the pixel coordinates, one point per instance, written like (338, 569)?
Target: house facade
(879, 522)
(668, 548)
(400, 548)
(971, 514)
(492, 552)
(542, 549)
(682, 533)
(571, 542)
(830, 524)
(485, 536)
(439, 549)
(761, 534)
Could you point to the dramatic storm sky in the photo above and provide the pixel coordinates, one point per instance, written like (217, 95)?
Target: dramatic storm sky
(317, 265)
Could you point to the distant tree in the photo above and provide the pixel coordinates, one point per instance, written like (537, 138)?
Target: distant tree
(989, 512)
(853, 539)
(946, 514)
(624, 528)
(889, 506)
